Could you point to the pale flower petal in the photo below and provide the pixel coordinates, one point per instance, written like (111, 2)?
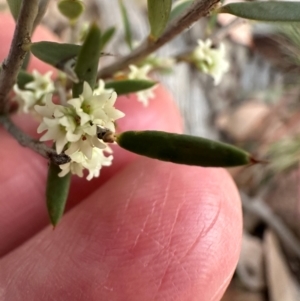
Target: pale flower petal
(75, 102)
(87, 91)
(42, 127)
(210, 60)
(35, 91)
(60, 143)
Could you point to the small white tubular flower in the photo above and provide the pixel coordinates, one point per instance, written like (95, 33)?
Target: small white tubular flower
(139, 73)
(73, 128)
(25, 98)
(77, 123)
(142, 73)
(97, 108)
(210, 60)
(42, 84)
(94, 164)
(35, 91)
(73, 167)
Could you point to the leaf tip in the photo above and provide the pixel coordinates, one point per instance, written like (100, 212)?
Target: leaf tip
(254, 160)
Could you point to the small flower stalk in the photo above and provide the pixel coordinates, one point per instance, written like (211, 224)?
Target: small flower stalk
(74, 129)
(211, 61)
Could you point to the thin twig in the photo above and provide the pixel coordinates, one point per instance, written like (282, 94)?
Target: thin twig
(37, 146)
(15, 58)
(197, 10)
(260, 209)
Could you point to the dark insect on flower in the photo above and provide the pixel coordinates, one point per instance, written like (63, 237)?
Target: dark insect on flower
(105, 134)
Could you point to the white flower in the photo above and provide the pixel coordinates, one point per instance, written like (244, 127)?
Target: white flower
(79, 161)
(73, 167)
(97, 160)
(51, 124)
(98, 109)
(42, 84)
(210, 60)
(139, 73)
(142, 73)
(73, 128)
(35, 91)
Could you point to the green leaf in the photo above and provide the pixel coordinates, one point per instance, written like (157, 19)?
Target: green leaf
(126, 23)
(88, 59)
(14, 7)
(71, 9)
(56, 193)
(106, 36)
(24, 78)
(58, 55)
(183, 149)
(129, 86)
(179, 9)
(272, 11)
(158, 15)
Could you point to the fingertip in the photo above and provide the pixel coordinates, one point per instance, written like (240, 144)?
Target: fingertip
(173, 227)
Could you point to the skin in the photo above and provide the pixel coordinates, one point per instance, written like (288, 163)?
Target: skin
(144, 230)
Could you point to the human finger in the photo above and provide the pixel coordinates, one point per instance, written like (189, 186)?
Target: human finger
(174, 233)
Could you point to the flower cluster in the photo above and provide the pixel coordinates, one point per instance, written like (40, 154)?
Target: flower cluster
(142, 73)
(35, 91)
(210, 60)
(74, 128)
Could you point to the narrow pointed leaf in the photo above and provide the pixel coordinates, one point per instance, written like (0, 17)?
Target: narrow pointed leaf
(271, 11)
(179, 9)
(56, 193)
(107, 36)
(129, 86)
(88, 59)
(183, 149)
(55, 54)
(158, 15)
(126, 23)
(71, 9)
(14, 7)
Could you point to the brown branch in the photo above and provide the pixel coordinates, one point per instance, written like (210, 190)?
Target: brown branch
(197, 10)
(37, 146)
(17, 52)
